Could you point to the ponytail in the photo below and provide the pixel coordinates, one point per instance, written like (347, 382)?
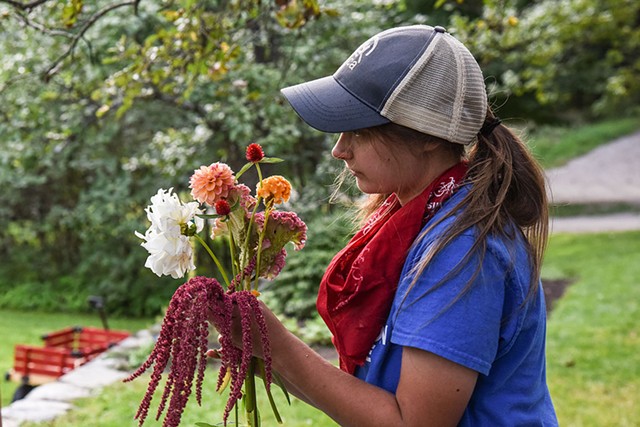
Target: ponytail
(507, 189)
(508, 185)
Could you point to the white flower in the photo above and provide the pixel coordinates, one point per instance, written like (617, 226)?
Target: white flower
(170, 251)
(167, 213)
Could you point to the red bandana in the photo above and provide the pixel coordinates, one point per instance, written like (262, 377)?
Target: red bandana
(358, 287)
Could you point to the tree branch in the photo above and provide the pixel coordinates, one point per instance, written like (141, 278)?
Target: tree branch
(41, 28)
(57, 64)
(75, 38)
(24, 6)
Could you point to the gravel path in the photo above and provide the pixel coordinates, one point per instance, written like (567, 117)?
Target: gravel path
(609, 174)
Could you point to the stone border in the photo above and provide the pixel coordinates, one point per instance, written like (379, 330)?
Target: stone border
(595, 223)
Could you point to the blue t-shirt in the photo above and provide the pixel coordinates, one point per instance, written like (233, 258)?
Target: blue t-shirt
(492, 329)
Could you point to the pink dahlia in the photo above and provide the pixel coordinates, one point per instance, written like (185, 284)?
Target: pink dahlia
(211, 183)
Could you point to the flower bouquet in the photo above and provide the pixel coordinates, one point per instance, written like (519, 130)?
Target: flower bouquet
(257, 233)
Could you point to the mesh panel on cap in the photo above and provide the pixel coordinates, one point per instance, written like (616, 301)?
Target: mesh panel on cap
(443, 95)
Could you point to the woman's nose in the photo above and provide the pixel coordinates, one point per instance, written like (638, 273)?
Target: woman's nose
(342, 149)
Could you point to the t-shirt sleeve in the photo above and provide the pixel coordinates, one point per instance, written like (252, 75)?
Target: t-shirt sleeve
(436, 316)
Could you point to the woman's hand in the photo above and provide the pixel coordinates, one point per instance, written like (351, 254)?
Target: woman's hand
(273, 324)
(432, 391)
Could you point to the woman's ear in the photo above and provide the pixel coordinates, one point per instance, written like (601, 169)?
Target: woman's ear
(430, 147)
(445, 148)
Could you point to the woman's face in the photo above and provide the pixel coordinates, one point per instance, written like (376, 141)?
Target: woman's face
(383, 168)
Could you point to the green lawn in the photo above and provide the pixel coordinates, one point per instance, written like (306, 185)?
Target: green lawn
(593, 350)
(117, 405)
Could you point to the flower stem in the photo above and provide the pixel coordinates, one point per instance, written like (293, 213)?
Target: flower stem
(244, 262)
(267, 211)
(251, 404)
(259, 173)
(251, 222)
(234, 259)
(215, 259)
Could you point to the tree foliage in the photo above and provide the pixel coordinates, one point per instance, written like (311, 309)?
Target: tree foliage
(106, 104)
(105, 101)
(558, 60)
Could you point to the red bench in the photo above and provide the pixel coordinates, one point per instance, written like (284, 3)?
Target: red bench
(63, 351)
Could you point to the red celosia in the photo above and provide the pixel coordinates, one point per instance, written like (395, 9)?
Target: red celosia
(222, 207)
(276, 265)
(242, 193)
(287, 225)
(282, 227)
(183, 338)
(254, 153)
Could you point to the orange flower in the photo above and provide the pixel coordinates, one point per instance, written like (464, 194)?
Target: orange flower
(276, 187)
(211, 183)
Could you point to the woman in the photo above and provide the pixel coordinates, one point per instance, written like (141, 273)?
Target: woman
(435, 305)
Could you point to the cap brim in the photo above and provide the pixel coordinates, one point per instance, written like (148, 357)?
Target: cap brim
(325, 105)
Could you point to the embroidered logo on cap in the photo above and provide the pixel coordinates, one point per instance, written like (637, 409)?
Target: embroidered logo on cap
(364, 50)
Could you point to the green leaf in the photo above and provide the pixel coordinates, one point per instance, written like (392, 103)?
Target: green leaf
(208, 216)
(71, 11)
(439, 4)
(244, 169)
(278, 381)
(267, 389)
(102, 110)
(271, 160)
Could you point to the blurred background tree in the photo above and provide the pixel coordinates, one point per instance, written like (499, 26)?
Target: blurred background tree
(102, 103)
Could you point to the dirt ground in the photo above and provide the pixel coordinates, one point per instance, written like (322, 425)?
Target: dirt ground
(553, 290)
